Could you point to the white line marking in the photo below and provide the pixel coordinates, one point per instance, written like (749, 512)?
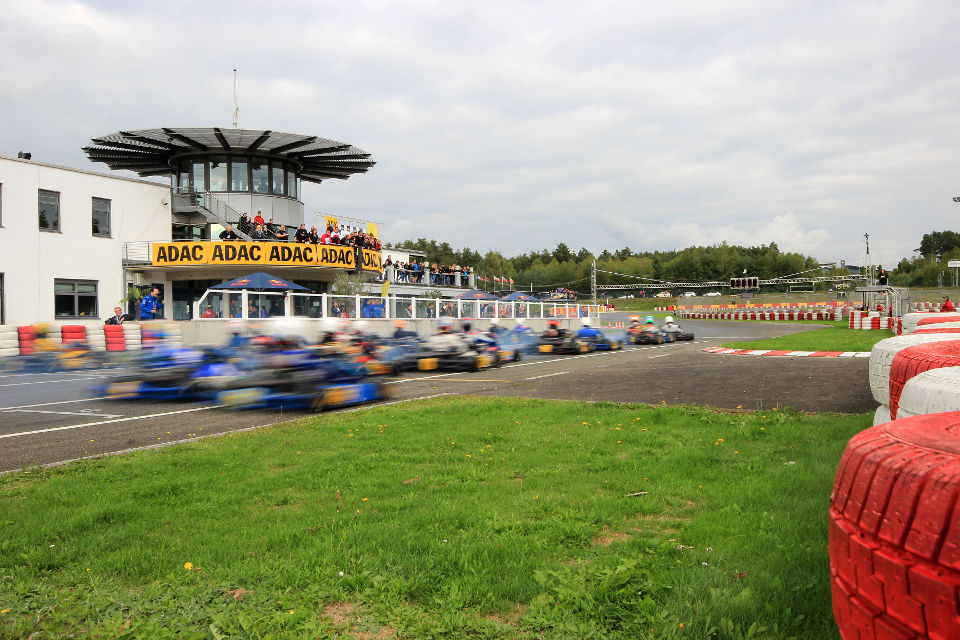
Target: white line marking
(44, 404)
(662, 355)
(64, 413)
(547, 375)
(84, 379)
(94, 424)
(367, 407)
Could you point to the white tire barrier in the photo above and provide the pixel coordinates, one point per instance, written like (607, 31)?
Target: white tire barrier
(882, 355)
(932, 391)
(7, 352)
(914, 360)
(882, 415)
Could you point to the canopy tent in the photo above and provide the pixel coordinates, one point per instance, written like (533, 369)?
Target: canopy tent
(259, 281)
(519, 296)
(476, 294)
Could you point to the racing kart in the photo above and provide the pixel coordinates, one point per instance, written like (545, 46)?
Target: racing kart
(604, 343)
(677, 333)
(649, 335)
(163, 373)
(564, 343)
(316, 389)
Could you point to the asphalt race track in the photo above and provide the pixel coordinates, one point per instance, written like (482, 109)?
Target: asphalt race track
(51, 418)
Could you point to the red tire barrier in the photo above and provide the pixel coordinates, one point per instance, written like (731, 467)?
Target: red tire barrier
(913, 360)
(938, 318)
(73, 333)
(894, 541)
(935, 329)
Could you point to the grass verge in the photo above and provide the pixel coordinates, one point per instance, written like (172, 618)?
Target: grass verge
(494, 518)
(828, 339)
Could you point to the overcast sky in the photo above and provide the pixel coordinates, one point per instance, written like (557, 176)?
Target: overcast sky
(517, 125)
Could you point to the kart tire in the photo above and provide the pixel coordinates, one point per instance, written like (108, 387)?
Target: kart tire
(474, 364)
(384, 392)
(659, 339)
(894, 546)
(517, 355)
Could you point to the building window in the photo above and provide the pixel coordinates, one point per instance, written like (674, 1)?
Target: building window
(199, 176)
(278, 178)
(101, 217)
(218, 173)
(239, 181)
(49, 205)
(261, 176)
(74, 298)
(291, 183)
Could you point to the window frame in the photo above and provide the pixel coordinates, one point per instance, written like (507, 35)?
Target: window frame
(93, 216)
(76, 295)
(40, 213)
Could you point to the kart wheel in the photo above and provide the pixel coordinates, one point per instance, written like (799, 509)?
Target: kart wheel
(659, 339)
(383, 392)
(498, 360)
(318, 403)
(517, 355)
(475, 364)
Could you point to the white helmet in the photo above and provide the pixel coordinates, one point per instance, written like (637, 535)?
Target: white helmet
(494, 321)
(668, 319)
(586, 322)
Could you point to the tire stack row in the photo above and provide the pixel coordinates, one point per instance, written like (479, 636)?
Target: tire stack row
(73, 333)
(9, 341)
(132, 337)
(894, 527)
(26, 339)
(760, 315)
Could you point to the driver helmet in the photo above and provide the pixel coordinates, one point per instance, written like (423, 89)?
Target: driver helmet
(444, 324)
(466, 324)
(635, 319)
(553, 324)
(494, 322)
(649, 320)
(668, 319)
(586, 322)
(399, 324)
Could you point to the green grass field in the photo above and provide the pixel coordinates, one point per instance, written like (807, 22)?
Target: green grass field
(828, 339)
(448, 518)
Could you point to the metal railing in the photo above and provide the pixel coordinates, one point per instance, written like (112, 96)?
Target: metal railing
(251, 304)
(210, 206)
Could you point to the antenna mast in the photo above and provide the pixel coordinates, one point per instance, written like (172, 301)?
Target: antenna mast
(236, 106)
(868, 261)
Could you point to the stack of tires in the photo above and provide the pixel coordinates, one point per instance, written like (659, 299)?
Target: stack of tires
(26, 337)
(113, 337)
(881, 359)
(9, 341)
(96, 337)
(132, 337)
(73, 333)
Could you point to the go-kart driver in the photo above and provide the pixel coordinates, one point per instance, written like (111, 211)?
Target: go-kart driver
(650, 326)
(401, 332)
(588, 331)
(446, 339)
(495, 327)
(670, 326)
(553, 330)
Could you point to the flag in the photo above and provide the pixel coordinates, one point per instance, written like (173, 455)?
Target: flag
(511, 280)
(496, 279)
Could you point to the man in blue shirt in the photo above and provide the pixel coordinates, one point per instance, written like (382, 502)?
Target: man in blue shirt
(587, 331)
(150, 306)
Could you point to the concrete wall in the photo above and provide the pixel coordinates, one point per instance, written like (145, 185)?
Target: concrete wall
(31, 259)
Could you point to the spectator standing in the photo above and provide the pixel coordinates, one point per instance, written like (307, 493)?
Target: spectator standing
(244, 223)
(947, 305)
(282, 234)
(258, 219)
(314, 236)
(229, 233)
(326, 237)
(118, 317)
(302, 235)
(151, 307)
(258, 233)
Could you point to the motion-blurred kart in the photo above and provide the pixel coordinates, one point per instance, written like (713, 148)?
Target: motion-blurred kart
(163, 373)
(605, 343)
(672, 329)
(563, 342)
(326, 386)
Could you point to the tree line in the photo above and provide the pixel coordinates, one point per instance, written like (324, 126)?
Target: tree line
(564, 267)
(928, 268)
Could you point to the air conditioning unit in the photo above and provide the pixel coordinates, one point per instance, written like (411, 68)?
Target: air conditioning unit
(140, 279)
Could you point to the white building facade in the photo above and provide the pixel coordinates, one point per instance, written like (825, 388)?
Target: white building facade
(62, 233)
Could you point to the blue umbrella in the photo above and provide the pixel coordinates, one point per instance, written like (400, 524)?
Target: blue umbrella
(519, 296)
(476, 294)
(260, 281)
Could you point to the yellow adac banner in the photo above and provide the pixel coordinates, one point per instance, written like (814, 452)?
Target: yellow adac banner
(283, 254)
(372, 229)
(330, 222)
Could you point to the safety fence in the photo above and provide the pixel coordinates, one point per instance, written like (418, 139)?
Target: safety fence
(254, 304)
(835, 314)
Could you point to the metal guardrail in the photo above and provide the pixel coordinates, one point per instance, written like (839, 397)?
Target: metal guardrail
(211, 206)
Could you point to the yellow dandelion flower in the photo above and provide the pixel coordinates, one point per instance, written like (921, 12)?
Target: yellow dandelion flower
(763, 428)
(618, 442)
(364, 499)
(291, 611)
(4, 612)
(188, 566)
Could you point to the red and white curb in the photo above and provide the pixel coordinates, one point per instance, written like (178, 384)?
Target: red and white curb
(803, 354)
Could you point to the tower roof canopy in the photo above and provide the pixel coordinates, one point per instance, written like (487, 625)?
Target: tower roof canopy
(149, 152)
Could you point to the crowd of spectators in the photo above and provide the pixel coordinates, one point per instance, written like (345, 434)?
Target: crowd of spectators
(441, 275)
(261, 230)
